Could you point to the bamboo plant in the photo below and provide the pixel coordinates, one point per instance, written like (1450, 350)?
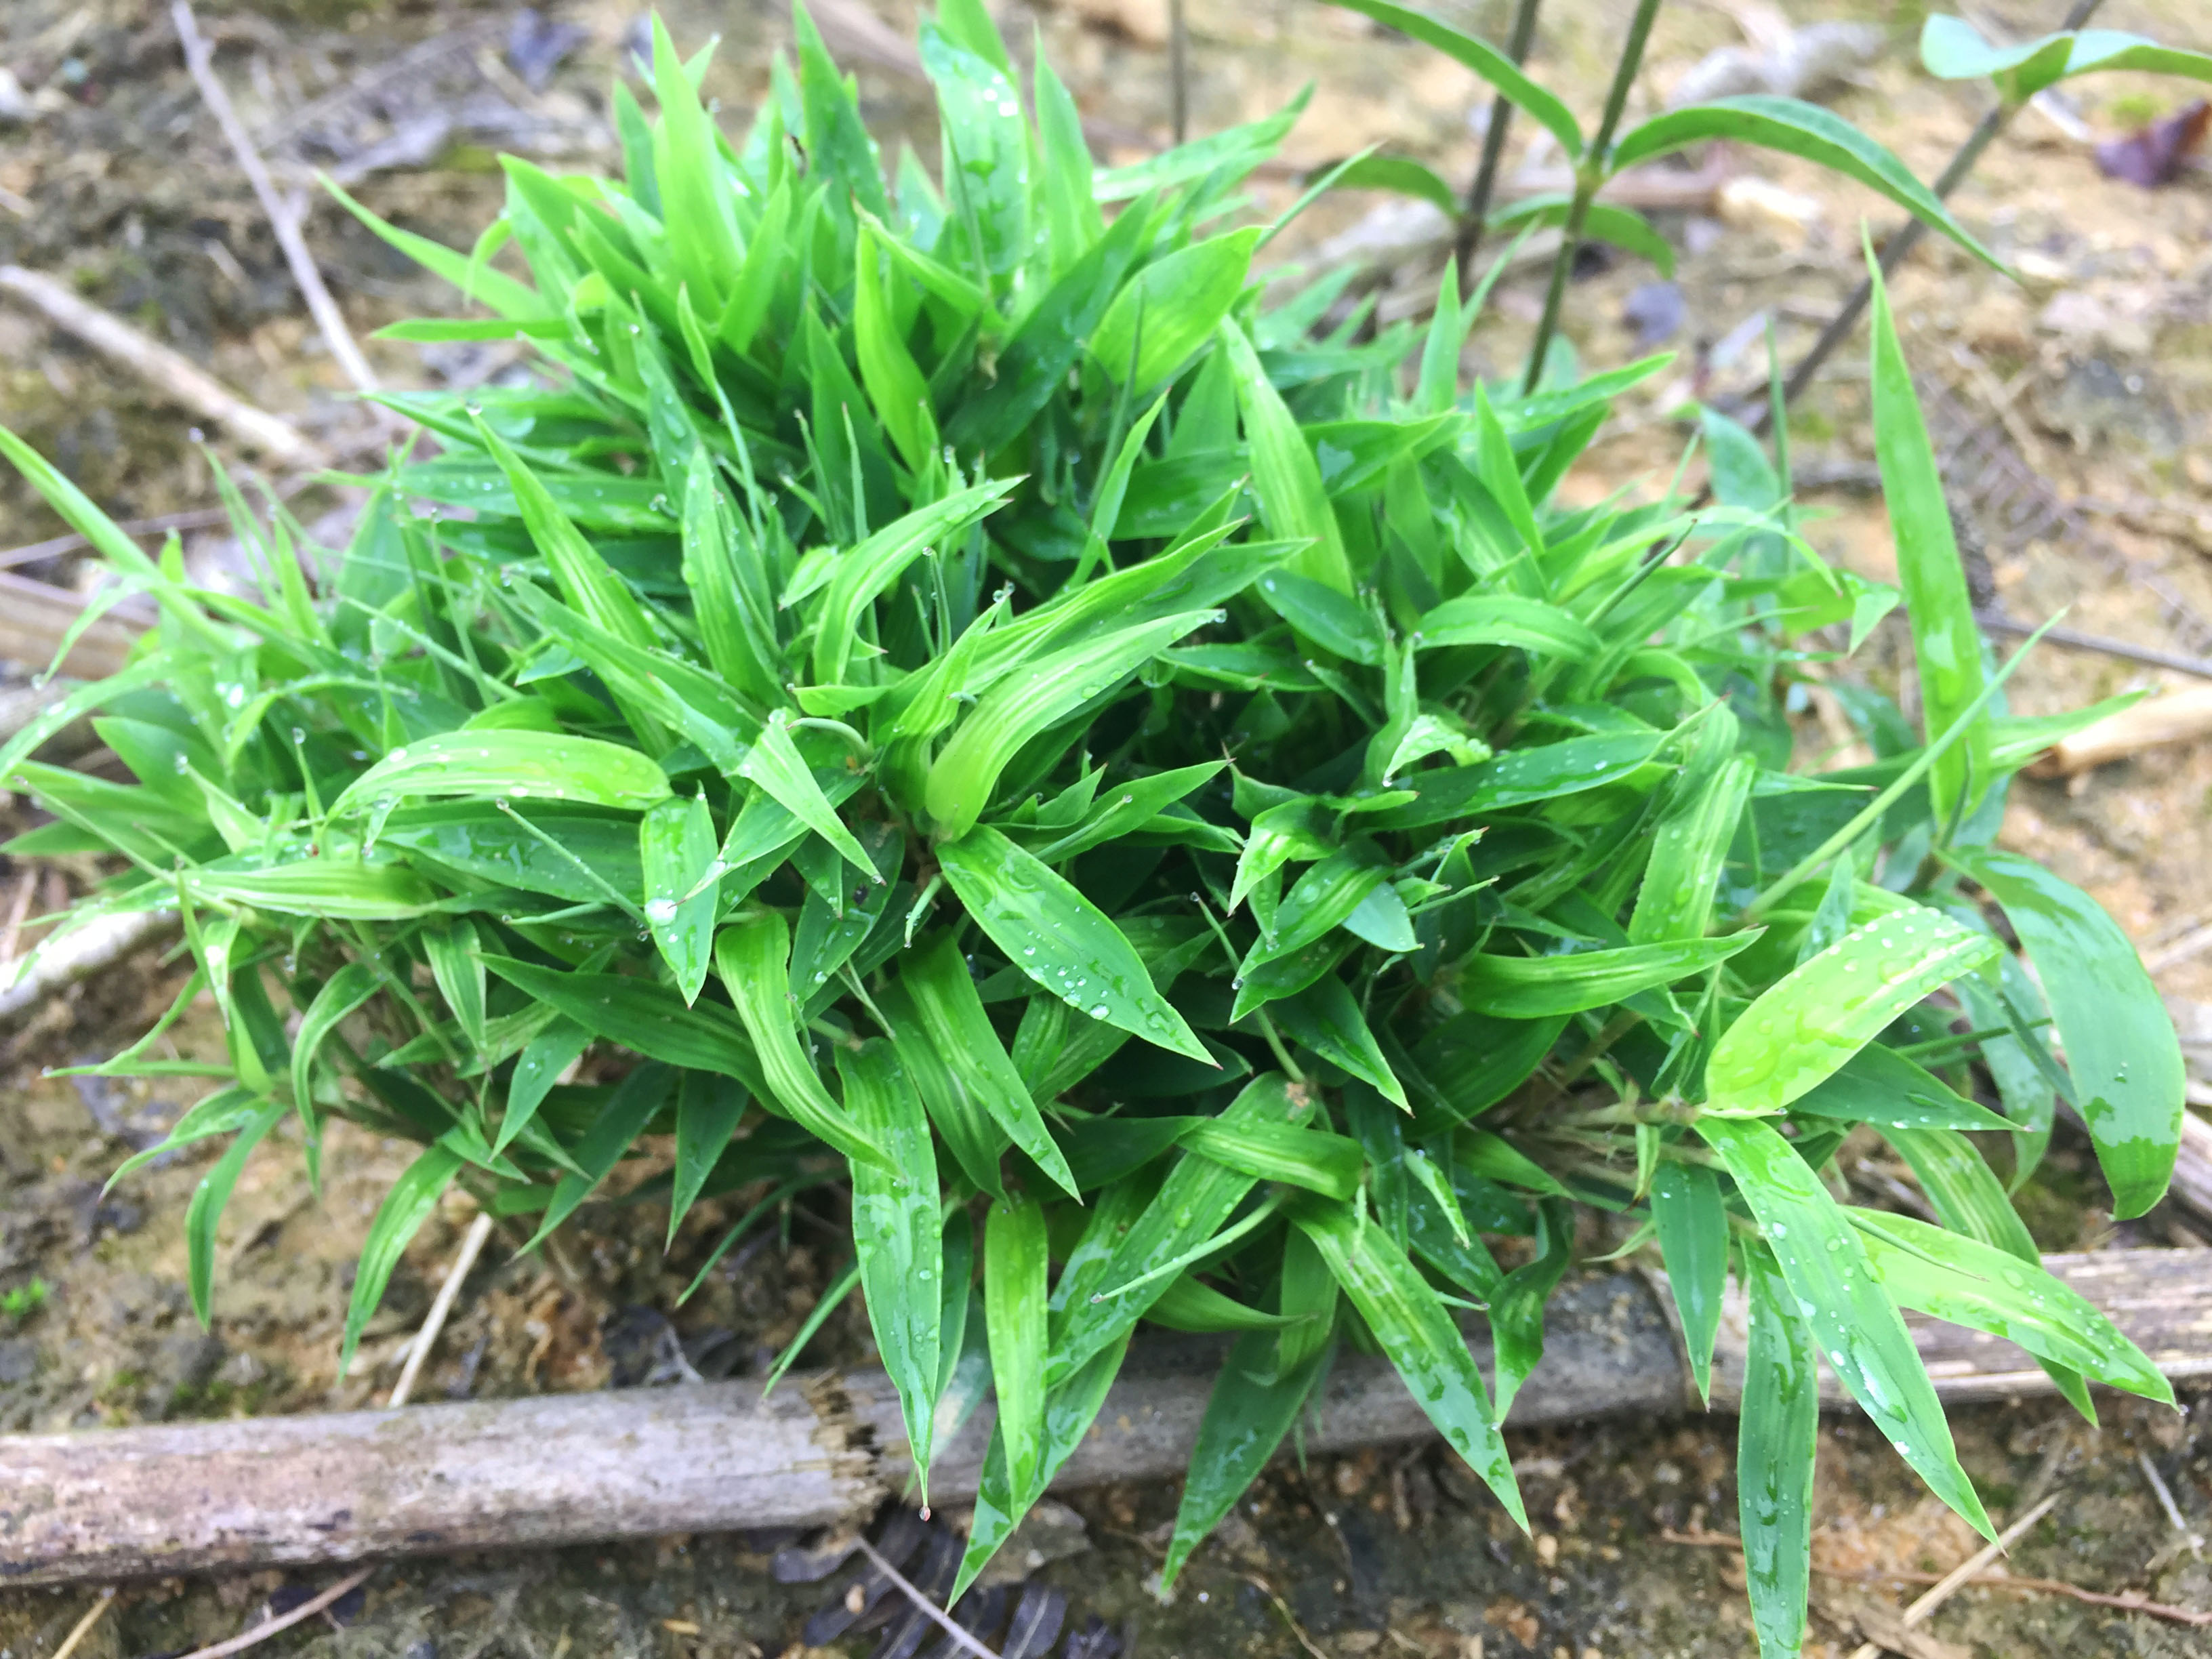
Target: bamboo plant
(941, 691)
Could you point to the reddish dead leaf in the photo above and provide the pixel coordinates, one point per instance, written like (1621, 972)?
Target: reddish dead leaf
(2155, 156)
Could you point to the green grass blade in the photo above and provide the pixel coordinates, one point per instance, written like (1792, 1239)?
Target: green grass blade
(1775, 1446)
(753, 958)
(952, 1013)
(898, 1236)
(1415, 1332)
(1854, 1323)
(2120, 1044)
(1694, 1241)
(1014, 1266)
(1061, 939)
(1796, 1034)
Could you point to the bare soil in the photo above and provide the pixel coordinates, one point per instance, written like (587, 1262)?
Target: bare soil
(2093, 382)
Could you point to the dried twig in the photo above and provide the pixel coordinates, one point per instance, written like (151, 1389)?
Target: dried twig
(426, 1338)
(306, 1610)
(2186, 948)
(1982, 1579)
(927, 1608)
(1947, 1586)
(2074, 640)
(1904, 239)
(199, 59)
(18, 909)
(98, 945)
(168, 372)
(83, 1628)
(2165, 1493)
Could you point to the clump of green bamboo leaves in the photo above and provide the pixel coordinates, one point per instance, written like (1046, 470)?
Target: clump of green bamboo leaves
(946, 693)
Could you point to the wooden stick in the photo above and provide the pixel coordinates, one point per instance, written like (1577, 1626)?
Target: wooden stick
(97, 946)
(2178, 717)
(172, 1498)
(174, 376)
(1946, 1586)
(426, 1338)
(199, 58)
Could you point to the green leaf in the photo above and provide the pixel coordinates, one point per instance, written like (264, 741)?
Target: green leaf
(634, 1102)
(887, 368)
(2121, 1050)
(342, 993)
(1028, 701)
(1487, 61)
(1775, 1446)
(1984, 1288)
(1191, 1304)
(950, 1011)
(452, 948)
(1506, 619)
(774, 763)
(1415, 1332)
(676, 850)
(1520, 777)
(476, 280)
(707, 1110)
(1795, 128)
(335, 889)
(1694, 1241)
(1880, 1085)
(1330, 1164)
(1070, 1409)
(1014, 1267)
(986, 150)
(1092, 1309)
(1253, 1405)
(1855, 1324)
(407, 1205)
(1284, 475)
(898, 1236)
(1947, 645)
(643, 1017)
(1061, 939)
(542, 1064)
(1326, 1018)
(970, 1133)
(863, 573)
(1688, 846)
(1951, 50)
(1170, 309)
(1606, 222)
(211, 1193)
(1801, 1029)
(753, 958)
(695, 194)
(1399, 175)
(519, 765)
(1529, 988)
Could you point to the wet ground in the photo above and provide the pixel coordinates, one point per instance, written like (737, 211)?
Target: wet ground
(2093, 382)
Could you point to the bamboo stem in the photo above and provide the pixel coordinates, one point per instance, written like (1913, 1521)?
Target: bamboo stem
(1589, 175)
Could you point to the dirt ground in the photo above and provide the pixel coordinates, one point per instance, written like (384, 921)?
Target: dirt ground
(2087, 392)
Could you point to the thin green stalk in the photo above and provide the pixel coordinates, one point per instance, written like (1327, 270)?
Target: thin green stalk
(1587, 177)
(1870, 815)
(1494, 152)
